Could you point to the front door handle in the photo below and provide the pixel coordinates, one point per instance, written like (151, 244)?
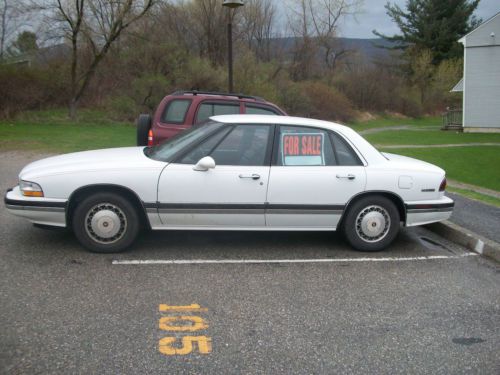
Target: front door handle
(349, 176)
(253, 176)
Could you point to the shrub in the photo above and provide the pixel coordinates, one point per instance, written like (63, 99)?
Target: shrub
(24, 88)
(327, 103)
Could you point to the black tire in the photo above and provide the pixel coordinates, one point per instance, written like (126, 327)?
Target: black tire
(143, 126)
(371, 224)
(117, 216)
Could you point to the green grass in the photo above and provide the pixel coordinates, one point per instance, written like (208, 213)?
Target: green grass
(471, 165)
(384, 122)
(476, 196)
(429, 137)
(52, 131)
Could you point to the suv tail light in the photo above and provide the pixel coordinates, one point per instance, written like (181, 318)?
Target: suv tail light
(442, 187)
(150, 137)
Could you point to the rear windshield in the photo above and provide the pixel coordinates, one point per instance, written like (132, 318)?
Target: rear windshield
(168, 149)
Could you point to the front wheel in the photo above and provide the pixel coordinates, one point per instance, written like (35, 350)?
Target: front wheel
(106, 223)
(371, 224)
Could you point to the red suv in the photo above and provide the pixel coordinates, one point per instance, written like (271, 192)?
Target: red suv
(183, 109)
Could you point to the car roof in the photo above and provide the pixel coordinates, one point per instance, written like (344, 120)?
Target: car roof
(281, 120)
(220, 95)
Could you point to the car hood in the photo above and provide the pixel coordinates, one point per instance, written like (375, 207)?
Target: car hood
(407, 162)
(97, 160)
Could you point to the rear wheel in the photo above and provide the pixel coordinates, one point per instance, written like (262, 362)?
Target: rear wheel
(371, 224)
(106, 223)
(143, 126)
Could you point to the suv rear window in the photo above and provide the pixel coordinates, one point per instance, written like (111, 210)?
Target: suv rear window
(176, 111)
(205, 110)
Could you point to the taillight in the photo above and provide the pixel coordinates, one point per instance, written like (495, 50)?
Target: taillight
(150, 137)
(442, 187)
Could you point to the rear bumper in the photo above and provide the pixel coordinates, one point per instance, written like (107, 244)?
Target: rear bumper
(43, 211)
(426, 212)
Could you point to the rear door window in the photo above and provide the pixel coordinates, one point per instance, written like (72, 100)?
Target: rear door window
(175, 112)
(206, 110)
(344, 153)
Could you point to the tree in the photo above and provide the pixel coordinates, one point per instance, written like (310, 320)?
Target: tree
(97, 25)
(325, 16)
(257, 22)
(315, 25)
(13, 15)
(25, 42)
(305, 50)
(435, 25)
(210, 20)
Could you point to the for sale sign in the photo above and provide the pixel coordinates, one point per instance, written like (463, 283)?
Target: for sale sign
(302, 149)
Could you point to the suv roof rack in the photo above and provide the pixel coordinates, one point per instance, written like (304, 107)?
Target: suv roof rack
(239, 96)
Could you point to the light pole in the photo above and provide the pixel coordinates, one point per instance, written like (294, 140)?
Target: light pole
(230, 4)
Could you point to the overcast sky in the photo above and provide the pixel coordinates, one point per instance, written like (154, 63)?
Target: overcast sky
(373, 16)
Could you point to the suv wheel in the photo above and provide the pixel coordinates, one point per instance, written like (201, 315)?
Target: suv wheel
(143, 126)
(371, 224)
(106, 223)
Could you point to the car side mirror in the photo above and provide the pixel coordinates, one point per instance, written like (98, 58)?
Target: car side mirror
(204, 164)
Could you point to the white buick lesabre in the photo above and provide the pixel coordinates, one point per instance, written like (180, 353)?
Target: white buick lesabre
(236, 172)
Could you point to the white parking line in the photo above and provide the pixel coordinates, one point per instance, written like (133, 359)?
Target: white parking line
(268, 261)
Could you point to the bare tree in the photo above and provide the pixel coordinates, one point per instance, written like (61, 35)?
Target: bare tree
(97, 25)
(305, 50)
(315, 25)
(325, 17)
(257, 24)
(210, 20)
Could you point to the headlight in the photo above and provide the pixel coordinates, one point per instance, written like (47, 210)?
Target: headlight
(30, 189)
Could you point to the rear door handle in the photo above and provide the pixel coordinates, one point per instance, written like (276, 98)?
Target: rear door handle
(253, 176)
(349, 176)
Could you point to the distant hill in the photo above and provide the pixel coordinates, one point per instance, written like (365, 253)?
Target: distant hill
(370, 49)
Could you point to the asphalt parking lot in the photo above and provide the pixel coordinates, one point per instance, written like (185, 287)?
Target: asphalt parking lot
(236, 302)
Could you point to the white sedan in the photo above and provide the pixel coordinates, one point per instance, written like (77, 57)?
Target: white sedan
(237, 172)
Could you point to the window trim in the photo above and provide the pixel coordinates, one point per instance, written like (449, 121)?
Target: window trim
(165, 110)
(330, 134)
(234, 103)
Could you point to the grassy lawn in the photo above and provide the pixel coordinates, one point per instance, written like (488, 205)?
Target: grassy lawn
(472, 165)
(385, 122)
(429, 137)
(475, 195)
(52, 131)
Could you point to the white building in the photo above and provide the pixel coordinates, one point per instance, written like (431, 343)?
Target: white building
(481, 81)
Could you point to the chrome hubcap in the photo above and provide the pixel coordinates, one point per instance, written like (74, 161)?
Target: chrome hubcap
(373, 223)
(105, 223)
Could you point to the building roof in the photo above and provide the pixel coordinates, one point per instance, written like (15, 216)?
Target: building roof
(489, 28)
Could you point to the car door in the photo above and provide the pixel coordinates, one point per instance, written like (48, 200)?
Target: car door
(314, 174)
(231, 195)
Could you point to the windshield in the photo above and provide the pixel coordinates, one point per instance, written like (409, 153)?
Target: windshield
(167, 150)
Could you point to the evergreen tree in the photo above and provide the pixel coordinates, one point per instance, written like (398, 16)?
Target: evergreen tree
(433, 25)
(26, 42)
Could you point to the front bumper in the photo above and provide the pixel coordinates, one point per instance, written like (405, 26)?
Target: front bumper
(426, 212)
(43, 211)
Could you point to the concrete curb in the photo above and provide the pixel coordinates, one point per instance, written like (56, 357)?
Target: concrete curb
(467, 238)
